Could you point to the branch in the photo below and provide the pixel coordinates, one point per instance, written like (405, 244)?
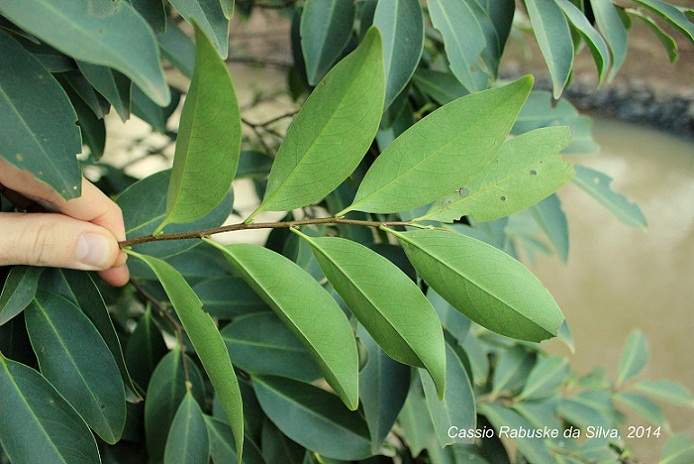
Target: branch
(261, 225)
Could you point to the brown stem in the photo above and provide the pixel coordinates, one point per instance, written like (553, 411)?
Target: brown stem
(260, 225)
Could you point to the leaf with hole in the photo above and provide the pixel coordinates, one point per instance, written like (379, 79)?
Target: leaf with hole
(442, 151)
(527, 169)
(113, 85)
(208, 142)
(332, 132)
(307, 309)
(99, 32)
(55, 434)
(75, 359)
(485, 284)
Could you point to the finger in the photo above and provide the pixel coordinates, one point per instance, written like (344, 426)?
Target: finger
(116, 276)
(56, 240)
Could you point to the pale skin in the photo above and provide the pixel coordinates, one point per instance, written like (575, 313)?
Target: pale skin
(82, 233)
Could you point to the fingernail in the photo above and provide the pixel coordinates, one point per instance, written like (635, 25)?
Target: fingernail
(93, 250)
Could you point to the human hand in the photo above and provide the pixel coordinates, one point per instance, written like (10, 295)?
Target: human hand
(82, 233)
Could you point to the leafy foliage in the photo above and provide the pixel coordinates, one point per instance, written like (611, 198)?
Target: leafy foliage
(389, 302)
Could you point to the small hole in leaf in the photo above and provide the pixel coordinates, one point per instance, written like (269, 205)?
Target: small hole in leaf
(502, 198)
(533, 172)
(463, 192)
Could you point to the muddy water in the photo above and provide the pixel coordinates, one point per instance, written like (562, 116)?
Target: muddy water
(617, 278)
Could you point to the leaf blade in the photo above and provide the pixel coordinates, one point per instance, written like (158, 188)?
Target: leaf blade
(188, 441)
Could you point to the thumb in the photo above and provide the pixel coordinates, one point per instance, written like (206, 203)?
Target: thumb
(56, 240)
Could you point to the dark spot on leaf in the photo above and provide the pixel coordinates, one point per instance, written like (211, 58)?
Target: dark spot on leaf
(463, 192)
(502, 198)
(533, 172)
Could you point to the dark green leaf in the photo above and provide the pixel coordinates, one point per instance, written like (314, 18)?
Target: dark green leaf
(597, 185)
(545, 378)
(14, 341)
(441, 152)
(665, 390)
(98, 32)
(206, 340)
(153, 11)
(596, 44)
(166, 390)
(144, 108)
(277, 447)
(208, 142)
(326, 26)
(457, 407)
(464, 41)
(228, 297)
(453, 320)
(416, 421)
(38, 425)
(612, 29)
(187, 442)
(541, 413)
(551, 218)
(678, 450)
(512, 369)
(39, 132)
(402, 27)
(527, 169)
(144, 206)
(79, 88)
(665, 39)
(177, 47)
(313, 418)
(209, 17)
(485, 284)
(18, 291)
(332, 132)
(75, 359)
(307, 309)
(146, 347)
(253, 164)
(386, 302)
(222, 448)
(114, 86)
(554, 37)
(383, 387)
(92, 128)
(443, 87)
(261, 344)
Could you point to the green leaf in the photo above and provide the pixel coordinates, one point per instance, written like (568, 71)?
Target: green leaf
(187, 442)
(668, 42)
(313, 418)
(527, 169)
(634, 357)
(443, 87)
(18, 291)
(597, 185)
(92, 129)
(542, 413)
(208, 142)
(533, 450)
(37, 424)
(98, 32)
(114, 86)
(146, 347)
(453, 320)
(402, 27)
(326, 26)
(596, 44)
(144, 206)
(552, 220)
(332, 132)
(206, 340)
(665, 390)
(228, 297)
(209, 18)
(485, 284)
(676, 18)
(75, 359)
(261, 344)
(613, 30)
(442, 151)
(307, 309)
(512, 369)
(416, 421)
(177, 47)
(222, 448)
(545, 378)
(39, 132)
(457, 407)
(227, 8)
(642, 406)
(464, 41)
(541, 111)
(386, 302)
(253, 164)
(678, 450)
(165, 391)
(144, 108)
(383, 387)
(153, 11)
(554, 38)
